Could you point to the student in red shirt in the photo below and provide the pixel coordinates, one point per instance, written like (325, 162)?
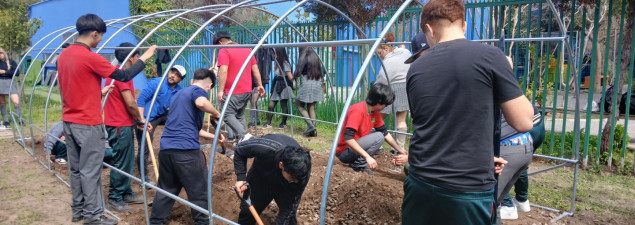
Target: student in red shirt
(230, 60)
(358, 143)
(120, 115)
(80, 71)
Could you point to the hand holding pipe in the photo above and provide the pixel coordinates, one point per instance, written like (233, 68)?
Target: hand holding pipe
(247, 200)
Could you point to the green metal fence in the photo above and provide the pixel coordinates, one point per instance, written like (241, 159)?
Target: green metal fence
(596, 33)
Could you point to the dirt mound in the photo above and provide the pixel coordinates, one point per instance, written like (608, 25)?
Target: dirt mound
(354, 198)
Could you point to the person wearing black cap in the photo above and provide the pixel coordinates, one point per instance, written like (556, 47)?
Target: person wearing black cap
(456, 91)
(280, 171)
(230, 61)
(159, 113)
(419, 45)
(80, 72)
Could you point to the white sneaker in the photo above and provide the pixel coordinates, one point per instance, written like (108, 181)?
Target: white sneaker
(522, 206)
(508, 213)
(60, 161)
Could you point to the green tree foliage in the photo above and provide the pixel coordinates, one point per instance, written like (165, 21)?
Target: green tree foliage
(16, 27)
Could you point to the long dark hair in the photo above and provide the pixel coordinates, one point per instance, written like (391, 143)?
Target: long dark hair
(309, 65)
(281, 58)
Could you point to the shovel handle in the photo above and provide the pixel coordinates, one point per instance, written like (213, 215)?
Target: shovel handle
(255, 214)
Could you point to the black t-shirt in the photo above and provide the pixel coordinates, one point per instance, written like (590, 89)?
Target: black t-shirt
(452, 91)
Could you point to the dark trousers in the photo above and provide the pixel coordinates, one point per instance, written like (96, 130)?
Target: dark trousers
(425, 203)
(370, 143)
(121, 140)
(160, 120)
(59, 150)
(521, 188)
(181, 169)
(262, 192)
(85, 145)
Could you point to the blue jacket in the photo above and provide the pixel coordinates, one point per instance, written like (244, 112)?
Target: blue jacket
(163, 99)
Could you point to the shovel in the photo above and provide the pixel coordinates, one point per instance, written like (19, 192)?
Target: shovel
(246, 199)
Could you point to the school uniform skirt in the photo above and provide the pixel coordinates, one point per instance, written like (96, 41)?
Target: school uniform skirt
(7, 88)
(401, 99)
(310, 91)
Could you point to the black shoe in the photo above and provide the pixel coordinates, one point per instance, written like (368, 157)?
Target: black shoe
(132, 199)
(101, 220)
(250, 125)
(6, 124)
(282, 126)
(308, 131)
(118, 206)
(363, 169)
(313, 134)
(77, 218)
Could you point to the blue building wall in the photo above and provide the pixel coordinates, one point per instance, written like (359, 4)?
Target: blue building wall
(58, 14)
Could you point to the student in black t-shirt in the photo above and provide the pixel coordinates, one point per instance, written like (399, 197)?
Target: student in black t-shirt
(454, 91)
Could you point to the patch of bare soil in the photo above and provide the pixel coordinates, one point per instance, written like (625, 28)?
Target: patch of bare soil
(354, 198)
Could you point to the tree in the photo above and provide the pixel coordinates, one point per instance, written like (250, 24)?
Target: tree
(16, 27)
(360, 11)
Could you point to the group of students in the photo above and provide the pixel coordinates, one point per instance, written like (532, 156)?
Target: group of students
(457, 91)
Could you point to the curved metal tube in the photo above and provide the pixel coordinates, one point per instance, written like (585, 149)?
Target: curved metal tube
(340, 125)
(145, 129)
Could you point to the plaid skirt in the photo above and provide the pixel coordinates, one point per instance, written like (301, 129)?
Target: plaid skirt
(5, 85)
(401, 99)
(310, 91)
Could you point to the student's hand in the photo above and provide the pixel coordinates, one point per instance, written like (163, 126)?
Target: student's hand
(107, 89)
(500, 163)
(371, 162)
(149, 53)
(3, 71)
(221, 138)
(240, 186)
(261, 90)
(220, 96)
(400, 160)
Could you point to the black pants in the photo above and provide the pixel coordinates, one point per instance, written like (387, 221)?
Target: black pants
(262, 192)
(160, 120)
(181, 169)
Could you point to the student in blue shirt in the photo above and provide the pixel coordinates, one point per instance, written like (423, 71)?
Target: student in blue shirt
(181, 162)
(161, 106)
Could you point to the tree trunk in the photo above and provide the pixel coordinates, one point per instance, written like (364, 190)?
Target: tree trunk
(624, 75)
(598, 70)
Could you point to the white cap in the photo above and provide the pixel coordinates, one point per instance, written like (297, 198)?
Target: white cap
(181, 69)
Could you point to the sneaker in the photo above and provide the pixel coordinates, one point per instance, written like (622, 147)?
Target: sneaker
(308, 131)
(61, 161)
(7, 125)
(246, 137)
(522, 206)
(363, 169)
(266, 126)
(76, 217)
(101, 220)
(508, 213)
(230, 154)
(118, 206)
(282, 126)
(250, 125)
(132, 199)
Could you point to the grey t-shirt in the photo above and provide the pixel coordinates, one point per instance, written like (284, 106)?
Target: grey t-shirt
(452, 91)
(56, 131)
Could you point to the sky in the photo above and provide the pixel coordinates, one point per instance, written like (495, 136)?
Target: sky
(280, 8)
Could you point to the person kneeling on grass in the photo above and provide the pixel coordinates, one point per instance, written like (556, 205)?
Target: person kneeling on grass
(181, 162)
(358, 143)
(280, 171)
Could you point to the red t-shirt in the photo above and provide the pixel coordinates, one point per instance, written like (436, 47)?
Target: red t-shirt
(234, 58)
(80, 71)
(115, 111)
(359, 120)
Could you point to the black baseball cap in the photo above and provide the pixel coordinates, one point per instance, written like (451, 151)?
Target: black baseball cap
(418, 44)
(220, 35)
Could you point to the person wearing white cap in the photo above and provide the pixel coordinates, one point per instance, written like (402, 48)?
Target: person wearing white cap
(159, 113)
